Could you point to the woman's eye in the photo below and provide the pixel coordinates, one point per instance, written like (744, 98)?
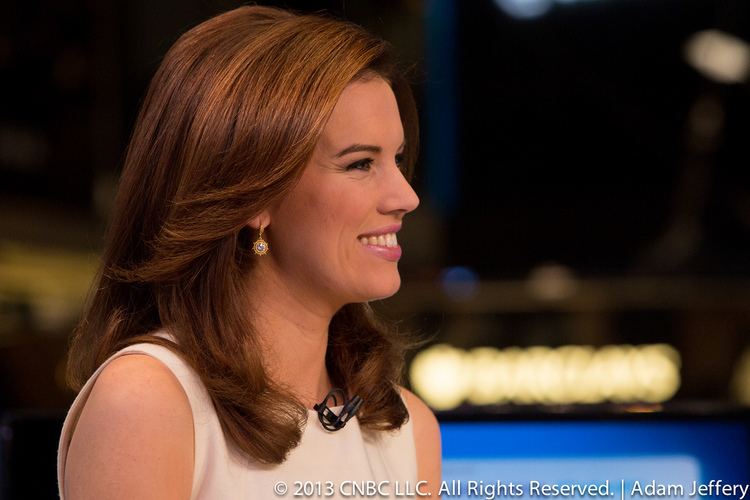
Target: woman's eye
(360, 165)
(400, 159)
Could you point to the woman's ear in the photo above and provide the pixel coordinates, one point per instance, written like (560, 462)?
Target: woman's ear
(263, 218)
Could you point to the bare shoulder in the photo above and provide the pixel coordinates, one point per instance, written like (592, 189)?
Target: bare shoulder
(427, 441)
(136, 432)
(423, 416)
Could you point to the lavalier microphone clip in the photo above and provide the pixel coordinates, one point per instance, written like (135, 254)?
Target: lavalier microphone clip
(328, 418)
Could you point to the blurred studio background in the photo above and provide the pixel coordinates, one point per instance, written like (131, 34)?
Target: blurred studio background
(584, 233)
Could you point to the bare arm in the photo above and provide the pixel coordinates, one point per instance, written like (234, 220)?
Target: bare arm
(134, 437)
(427, 441)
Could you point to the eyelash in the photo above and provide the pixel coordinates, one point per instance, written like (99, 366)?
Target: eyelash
(366, 163)
(361, 165)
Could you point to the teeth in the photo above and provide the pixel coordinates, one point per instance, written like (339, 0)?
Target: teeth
(383, 240)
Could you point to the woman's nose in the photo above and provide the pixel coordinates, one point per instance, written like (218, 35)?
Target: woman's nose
(399, 196)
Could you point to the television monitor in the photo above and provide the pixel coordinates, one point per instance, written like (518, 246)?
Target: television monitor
(622, 456)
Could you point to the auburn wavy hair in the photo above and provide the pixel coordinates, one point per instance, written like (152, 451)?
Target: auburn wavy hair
(228, 124)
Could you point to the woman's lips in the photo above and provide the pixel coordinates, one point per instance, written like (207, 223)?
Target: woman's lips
(392, 254)
(383, 243)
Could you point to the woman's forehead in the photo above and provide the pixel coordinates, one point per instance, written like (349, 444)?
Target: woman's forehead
(366, 111)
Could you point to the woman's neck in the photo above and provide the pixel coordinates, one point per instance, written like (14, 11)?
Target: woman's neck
(292, 328)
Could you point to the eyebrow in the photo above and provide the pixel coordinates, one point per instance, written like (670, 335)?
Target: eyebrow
(358, 148)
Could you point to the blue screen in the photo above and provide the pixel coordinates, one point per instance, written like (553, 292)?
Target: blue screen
(606, 459)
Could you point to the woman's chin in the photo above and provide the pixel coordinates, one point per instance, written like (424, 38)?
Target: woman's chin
(385, 289)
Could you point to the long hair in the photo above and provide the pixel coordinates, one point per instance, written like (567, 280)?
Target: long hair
(227, 126)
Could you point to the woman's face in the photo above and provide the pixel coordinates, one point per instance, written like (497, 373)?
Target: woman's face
(334, 236)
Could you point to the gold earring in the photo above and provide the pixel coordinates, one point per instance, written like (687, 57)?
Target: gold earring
(260, 246)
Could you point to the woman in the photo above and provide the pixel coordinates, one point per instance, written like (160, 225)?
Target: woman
(256, 216)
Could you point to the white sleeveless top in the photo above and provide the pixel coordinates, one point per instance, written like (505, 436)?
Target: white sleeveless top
(220, 472)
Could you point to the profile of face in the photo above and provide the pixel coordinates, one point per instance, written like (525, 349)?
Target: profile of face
(334, 236)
